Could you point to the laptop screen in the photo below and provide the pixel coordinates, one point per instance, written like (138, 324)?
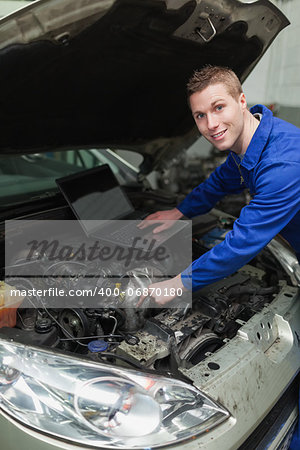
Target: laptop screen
(95, 194)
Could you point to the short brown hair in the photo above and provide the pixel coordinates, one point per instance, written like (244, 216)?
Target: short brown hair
(209, 75)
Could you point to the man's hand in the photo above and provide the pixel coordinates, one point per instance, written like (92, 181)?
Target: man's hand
(166, 218)
(163, 292)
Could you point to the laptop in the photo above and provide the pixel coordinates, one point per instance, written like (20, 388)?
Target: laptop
(105, 211)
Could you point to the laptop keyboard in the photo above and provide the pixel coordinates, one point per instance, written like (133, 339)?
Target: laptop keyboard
(129, 232)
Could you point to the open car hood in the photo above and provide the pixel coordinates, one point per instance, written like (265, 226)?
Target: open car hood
(82, 73)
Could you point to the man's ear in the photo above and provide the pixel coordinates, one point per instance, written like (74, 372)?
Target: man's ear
(243, 101)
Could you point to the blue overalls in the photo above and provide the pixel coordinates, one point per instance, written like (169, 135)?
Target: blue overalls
(271, 171)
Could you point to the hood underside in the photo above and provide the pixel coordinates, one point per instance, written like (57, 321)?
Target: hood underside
(78, 73)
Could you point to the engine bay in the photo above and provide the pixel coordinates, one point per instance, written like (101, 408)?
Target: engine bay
(148, 338)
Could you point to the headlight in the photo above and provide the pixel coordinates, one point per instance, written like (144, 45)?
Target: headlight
(96, 404)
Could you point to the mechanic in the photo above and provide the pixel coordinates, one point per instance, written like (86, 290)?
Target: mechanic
(264, 157)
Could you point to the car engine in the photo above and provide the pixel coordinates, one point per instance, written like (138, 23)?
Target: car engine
(159, 339)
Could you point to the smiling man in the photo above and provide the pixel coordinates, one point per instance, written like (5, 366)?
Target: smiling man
(264, 157)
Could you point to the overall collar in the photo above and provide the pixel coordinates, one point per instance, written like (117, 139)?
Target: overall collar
(260, 137)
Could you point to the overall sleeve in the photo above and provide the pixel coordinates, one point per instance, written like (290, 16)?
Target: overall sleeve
(224, 180)
(276, 202)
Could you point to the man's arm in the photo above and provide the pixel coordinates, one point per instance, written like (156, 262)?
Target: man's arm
(224, 180)
(275, 204)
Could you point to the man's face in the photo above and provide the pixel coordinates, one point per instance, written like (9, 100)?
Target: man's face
(219, 117)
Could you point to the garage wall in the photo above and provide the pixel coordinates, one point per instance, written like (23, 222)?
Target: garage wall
(276, 79)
